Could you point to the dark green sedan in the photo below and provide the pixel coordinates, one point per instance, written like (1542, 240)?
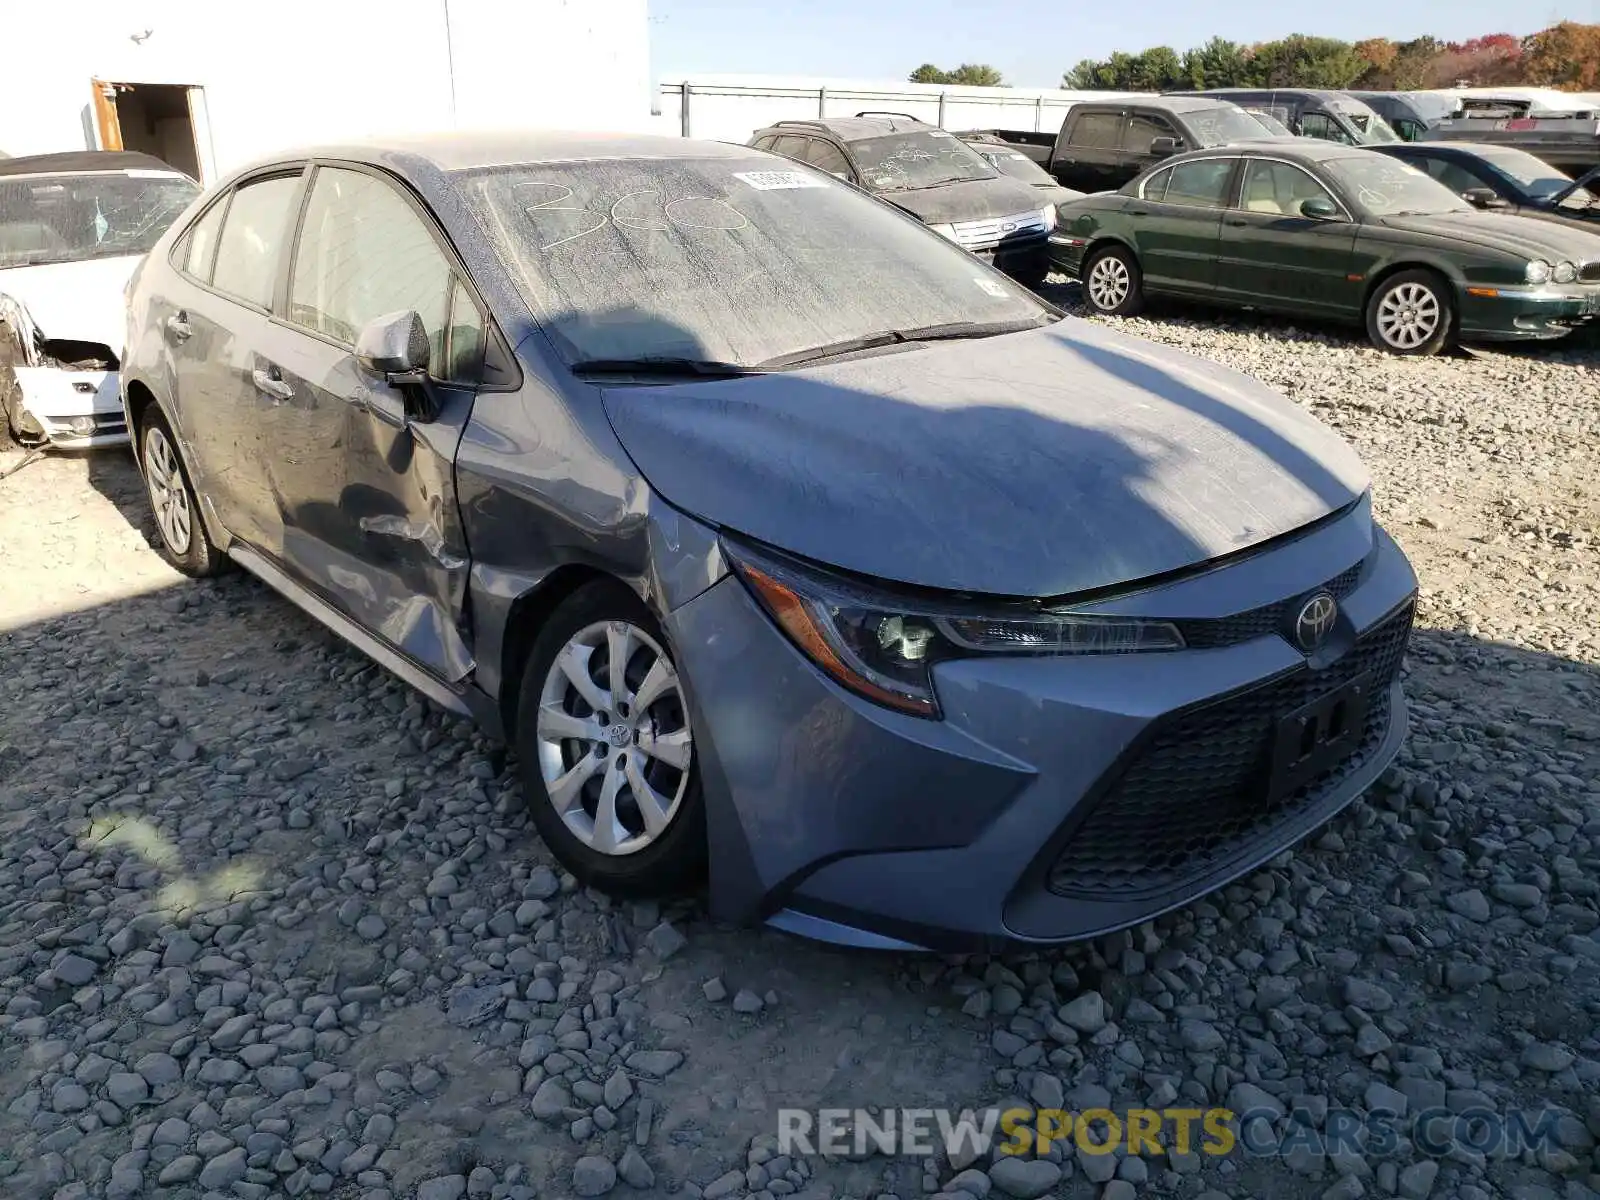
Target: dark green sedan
(1323, 230)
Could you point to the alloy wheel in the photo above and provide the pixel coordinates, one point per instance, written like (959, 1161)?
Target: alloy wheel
(1109, 282)
(168, 495)
(1409, 315)
(614, 744)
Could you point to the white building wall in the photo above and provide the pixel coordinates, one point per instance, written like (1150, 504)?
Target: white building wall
(292, 72)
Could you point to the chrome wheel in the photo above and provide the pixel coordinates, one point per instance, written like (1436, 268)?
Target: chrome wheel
(614, 744)
(1409, 315)
(168, 495)
(1109, 282)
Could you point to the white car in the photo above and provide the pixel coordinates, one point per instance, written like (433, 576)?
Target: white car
(72, 228)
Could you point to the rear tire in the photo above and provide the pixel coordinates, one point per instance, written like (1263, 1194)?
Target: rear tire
(173, 502)
(1411, 313)
(606, 749)
(1113, 284)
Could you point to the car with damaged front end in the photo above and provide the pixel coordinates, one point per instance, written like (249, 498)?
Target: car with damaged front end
(785, 542)
(72, 228)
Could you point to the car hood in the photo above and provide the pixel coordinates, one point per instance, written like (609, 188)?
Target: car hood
(969, 201)
(1033, 464)
(78, 300)
(1513, 233)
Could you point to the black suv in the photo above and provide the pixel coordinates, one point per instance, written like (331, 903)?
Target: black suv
(932, 175)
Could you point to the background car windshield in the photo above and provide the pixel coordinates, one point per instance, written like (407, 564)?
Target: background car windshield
(1019, 167)
(1372, 128)
(65, 218)
(1270, 123)
(1532, 175)
(1223, 124)
(922, 159)
(1386, 187)
(726, 259)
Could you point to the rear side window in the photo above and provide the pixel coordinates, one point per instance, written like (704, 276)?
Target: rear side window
(1321, 125)
(1155, 188)
(1098, 131)
(252, 237)
(364, 253)
(1201, 184)
(200, 243)
(1454, 176)
(1142, 130)
(825, 156)
(790, 146)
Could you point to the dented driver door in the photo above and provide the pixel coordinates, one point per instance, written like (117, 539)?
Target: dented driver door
(365, 488)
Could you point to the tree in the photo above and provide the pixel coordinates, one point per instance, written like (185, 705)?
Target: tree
(967, 75)
(1379, 55)
(1566, 55)
(1414, 64)
(1156, 70)
(1300, 60)
(1219, 63)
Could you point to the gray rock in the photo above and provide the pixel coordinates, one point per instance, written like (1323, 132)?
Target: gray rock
(1199, 1036)
(657, 1064)
(75, 970)
(633, 1169)
(592, 1175)
(1085, 1013)
(69, 1096)
(1542, 1056)
(550, 1099)
(1246, 1098)
(442, 1187)
(125, 1089)
(665, 941)
(618, 1089)
(724, 1185)
(1024, 1178)
(1470, 904)
(1367, 996)
(746, 1001)
(1416, 1181)
(224, 1170)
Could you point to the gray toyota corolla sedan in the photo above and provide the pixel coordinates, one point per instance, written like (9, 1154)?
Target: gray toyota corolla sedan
(778, 535)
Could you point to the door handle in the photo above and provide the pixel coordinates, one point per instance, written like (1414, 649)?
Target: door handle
(270, 383)
(1138, 212)
(1238, 222)
(178, 326)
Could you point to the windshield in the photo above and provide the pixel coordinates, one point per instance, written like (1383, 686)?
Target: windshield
(1371, 129)
(1432, 107)
(1018, 166)
(1271, 123)
(66, 218)
(1223, 124)
(1386, 187)
(1532, 175)
(925, 158)
(728, 260)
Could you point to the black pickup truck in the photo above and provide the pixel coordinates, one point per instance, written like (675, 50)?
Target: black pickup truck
(1103, 144)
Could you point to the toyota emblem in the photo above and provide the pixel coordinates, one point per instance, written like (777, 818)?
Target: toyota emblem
(1315, 621)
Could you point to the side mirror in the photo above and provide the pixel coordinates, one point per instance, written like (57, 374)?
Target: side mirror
(1482, 197)
(394, 348)
(1319, 208)
(1164, 147)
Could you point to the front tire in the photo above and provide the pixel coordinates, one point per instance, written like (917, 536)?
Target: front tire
(1411, 313)
(1113, 284)
(606, 747)
(184, 539)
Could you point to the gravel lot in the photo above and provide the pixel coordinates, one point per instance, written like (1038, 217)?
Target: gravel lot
(274, 926)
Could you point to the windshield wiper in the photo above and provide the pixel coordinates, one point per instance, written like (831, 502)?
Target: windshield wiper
(683, 368)
(890, 337)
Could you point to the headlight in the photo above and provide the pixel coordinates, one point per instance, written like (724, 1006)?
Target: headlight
(948, 231)
(1048, 212)
(883, 647)
(1538, 271)
(1564, 272)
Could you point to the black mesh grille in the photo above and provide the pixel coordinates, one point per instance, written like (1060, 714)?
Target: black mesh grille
(1589, 272)
(1197, 793)
(1257, 622)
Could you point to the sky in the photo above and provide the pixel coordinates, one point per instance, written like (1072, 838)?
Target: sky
(1033, 41)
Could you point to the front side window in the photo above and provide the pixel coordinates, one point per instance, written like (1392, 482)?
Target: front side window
(253, 234)
(825, 156)
(1200, 184)
(1454, 176)
(790, 146)
(728, 259)
(1279, 189)
(1142, 130)
(71, 217)
(1321, 125)
(364, 253)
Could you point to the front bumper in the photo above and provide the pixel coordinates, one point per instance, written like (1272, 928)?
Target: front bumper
(75, 409)
(1527, 313)
(1029, 259)
(1059, 798)
(1066, 252)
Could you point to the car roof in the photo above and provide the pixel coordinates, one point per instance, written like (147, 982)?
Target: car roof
(854, 129)
(1229, 93)
(80, 162)
(464, 150)
(1300, 149)
(1177, 104)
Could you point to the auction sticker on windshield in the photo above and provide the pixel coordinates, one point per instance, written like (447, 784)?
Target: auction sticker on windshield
(778, 181)
(993, 288)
